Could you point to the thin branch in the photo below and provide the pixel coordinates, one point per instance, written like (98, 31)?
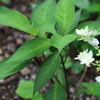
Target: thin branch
(59, 81)
(37, 61)
(85, 70)
(66, 78)
(56, 78)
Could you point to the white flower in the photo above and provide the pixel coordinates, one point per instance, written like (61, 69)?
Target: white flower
(81, 54)
(86, 35)
(95, 32)
(83, 32)
(93, 41)
(85, 57)
(97, 79)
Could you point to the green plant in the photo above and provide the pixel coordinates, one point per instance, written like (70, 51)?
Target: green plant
(60, 20)
(90, 9)
(4, 1)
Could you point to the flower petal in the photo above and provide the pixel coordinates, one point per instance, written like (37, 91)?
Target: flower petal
(85, 57)
(97, 79)
(93, 41)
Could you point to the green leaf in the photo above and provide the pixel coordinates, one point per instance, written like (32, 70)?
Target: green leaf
(5, 60)
(42, 18)
(77, 67)
(91, 25)
(94, 8)
(85, 15)
(60, 42)
(84, 4)
(3, 8)
(46, 71)
(32, 31)
(48, 26)
(68, 62)
(34, 4)
(56, 92)
(6, 1)
(85, 45)
(83, 91)
(7, 68)
(37, 97)
(14, 19)
(61, 77)
(25, 89)
(76, 20)
(64, 14)
(23, 56)
(94, 88)
(31, 49)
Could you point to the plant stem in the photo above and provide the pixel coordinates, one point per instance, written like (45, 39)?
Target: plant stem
(62, 33)
(85, 70)
(58, 80)
(37, 61)
(92, 98)
(66, 78)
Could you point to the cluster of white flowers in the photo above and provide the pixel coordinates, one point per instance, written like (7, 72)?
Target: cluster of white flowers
(85, 57)
(88, 35)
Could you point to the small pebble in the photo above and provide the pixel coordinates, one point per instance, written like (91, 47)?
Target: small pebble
(16, 96)
(3, 97)
(0, 51)
(16, 34)
(11, 47)
(24, 8)
(10, 38)
(19, 41)
(87, 98)
(9, 86)
(48, 84)
(25, 71)
(72, 90)
(34, 70)
(2, 81)
(6, 54)
(1, 58)
(33, 76)
(27, 77)
(21, 35)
